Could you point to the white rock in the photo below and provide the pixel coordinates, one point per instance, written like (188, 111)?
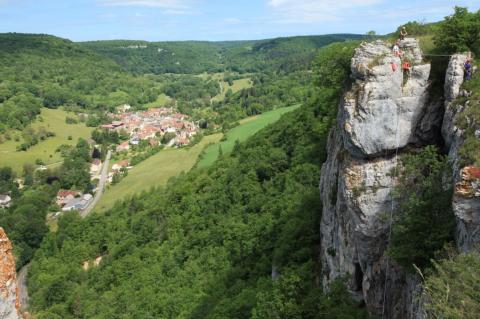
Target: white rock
(379, 111)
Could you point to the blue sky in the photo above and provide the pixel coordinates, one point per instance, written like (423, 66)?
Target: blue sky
(157, 20)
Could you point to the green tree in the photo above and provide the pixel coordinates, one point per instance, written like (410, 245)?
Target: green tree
(425, 220)
(459, 32)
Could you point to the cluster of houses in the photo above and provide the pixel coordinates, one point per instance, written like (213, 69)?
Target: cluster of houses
(150, 125)
(69, 200)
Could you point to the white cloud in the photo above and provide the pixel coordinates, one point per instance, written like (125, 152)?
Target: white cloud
(306, 11)
(165, 4)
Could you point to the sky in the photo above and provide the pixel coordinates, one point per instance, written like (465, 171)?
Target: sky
(215, 20)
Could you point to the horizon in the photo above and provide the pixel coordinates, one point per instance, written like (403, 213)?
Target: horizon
(214, 21)
(210, 41)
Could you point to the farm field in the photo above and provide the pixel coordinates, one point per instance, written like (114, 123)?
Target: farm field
(155, 171)
(54, 121)
(247, 128)
(161, 101)
(236, 86)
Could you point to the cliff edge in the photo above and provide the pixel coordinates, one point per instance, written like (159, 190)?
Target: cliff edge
(9, 297)
(381, 114)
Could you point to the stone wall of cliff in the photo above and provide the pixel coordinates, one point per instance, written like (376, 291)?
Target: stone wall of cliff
(384, 111)
(9, 297)
(466, 199)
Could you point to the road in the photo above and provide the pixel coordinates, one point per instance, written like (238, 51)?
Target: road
(22, 287)
(101, 187)
(22, 274)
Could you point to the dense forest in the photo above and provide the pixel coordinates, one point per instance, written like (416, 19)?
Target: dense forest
(193, 57)
(45, 71)
(209, 244)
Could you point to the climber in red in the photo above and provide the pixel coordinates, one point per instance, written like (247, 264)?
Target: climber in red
(406, 66)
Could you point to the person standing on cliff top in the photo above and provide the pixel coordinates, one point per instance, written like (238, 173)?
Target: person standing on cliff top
(468, 69)
(403, 33)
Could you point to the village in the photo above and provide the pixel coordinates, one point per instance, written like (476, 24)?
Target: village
(148, 127)
(151, 125)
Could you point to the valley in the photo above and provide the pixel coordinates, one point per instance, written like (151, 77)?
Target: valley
(301, 177)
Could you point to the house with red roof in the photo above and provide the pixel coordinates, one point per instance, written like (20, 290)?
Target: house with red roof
(65, 195)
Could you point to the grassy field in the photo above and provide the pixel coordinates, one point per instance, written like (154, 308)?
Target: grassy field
(236, 86)
(426, 43)
(247, 128)
(155, 171)
(53, 120)
(161, 101)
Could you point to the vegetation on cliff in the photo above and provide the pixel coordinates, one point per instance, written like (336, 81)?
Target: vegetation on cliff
(451, 287)
(426, 221)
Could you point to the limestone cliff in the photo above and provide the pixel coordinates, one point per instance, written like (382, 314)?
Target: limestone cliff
(466, 200)
(384, 111)
(9, 298)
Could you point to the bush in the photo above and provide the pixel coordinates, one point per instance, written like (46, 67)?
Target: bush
(426, 220)
(70, 120)
(451, 288)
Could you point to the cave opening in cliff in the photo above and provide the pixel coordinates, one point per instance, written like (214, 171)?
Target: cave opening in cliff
(358, 277)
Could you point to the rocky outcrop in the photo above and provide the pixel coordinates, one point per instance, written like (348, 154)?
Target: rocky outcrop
(384, 111)
(466, 199)
(9, 300)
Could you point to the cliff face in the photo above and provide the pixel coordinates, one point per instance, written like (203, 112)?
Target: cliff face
(9, 300)
(466, 200)
(384, 111)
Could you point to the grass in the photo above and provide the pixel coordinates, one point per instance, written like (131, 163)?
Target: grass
(53, 120)
(247, 128)
(236, 86)
(155, 171)
(161, 101)
(426, 43)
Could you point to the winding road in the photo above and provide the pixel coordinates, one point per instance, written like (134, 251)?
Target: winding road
(22, 274)
(101, 187)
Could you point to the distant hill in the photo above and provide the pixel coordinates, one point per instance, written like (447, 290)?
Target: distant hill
(193, 57)
(43, 70)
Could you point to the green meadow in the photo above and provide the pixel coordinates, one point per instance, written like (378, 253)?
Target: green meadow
(155, 171)
(236, 86)
(53, 120)
(247, 128)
